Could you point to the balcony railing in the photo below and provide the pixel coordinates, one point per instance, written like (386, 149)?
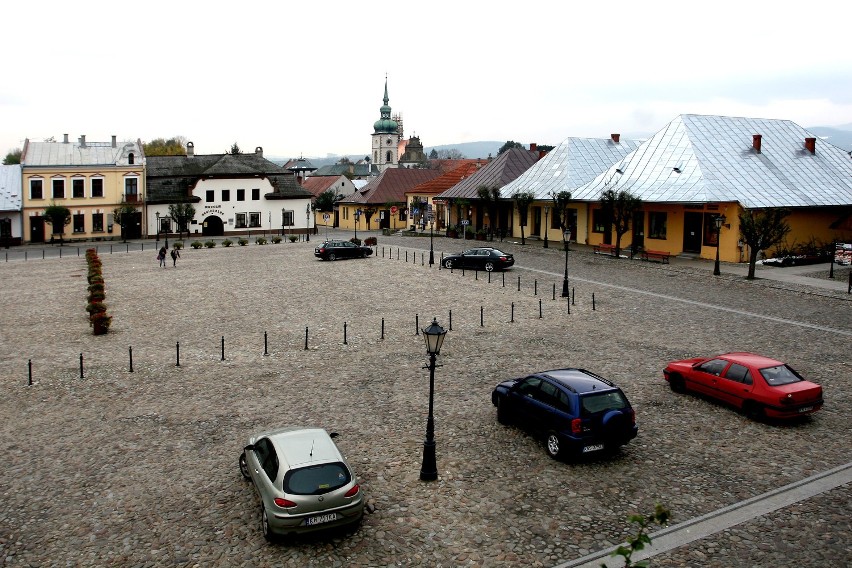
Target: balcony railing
(131, 198)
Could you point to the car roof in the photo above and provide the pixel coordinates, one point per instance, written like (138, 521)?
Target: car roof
(578, 380)
(298, 446)
(751, 359)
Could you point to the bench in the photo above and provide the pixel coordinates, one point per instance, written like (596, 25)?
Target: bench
(604, 249)
(662, 256)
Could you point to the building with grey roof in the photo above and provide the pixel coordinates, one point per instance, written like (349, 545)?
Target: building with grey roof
(10, 205)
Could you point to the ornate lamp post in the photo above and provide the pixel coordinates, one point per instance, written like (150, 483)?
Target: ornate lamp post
(308, 223)
(158, 227)
(566, 236)
(431, 244)
(357, 215)
(546, 226)
(434, 336)
(719, 221)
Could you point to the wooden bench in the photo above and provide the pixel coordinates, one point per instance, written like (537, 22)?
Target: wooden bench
(604, 249)
(662, 256)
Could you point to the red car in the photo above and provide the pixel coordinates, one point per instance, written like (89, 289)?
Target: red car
(759, 386)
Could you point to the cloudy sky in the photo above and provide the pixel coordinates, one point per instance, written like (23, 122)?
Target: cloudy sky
(308, 78)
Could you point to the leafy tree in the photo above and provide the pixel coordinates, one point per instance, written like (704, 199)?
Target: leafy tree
(545, 147)
(58, 216)
(325, 201)
(447, 154)
(619, 207)
(660, 516)
(561, 211)
(182, 213)
(175, 146)
(344, 160)
(489, 197)
(508, 146)
(235, 149)
(123, 215)
(368, 213)
(433, 155)
(524, 199)
(761, 229)
(12, 157)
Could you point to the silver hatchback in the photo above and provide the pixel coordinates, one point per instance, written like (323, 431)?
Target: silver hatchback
(303, 481)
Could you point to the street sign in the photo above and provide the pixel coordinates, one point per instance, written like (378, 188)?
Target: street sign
(415, 211)
(326, 216)
(465, 222)
(394, 209)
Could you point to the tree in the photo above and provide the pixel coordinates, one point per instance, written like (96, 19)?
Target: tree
(489, 197)
(123, 215)
(345, 161)
(508, 146)
(561, 211)
(325, 201)
(761, 229)
(175, 146)
(182, 213)
(368, 213)
(235, 149)
(619, 207)
(12, 157)
(524, 199)
(433, 155)
(446, 154)
(58, 216)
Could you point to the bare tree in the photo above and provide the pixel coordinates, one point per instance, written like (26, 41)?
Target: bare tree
(761, 229)
(619, 207)
(524, 199)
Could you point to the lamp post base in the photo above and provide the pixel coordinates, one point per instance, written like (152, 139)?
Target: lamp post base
(566, 290)
(429, 469)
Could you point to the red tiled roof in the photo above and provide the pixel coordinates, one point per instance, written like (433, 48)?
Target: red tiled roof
(447, 180)
(317, 185)
(390, 186)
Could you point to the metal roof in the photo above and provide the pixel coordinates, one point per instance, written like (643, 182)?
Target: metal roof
(497, 173)
(575, 162)
(10, 188)
(699, 159)
(81, 153)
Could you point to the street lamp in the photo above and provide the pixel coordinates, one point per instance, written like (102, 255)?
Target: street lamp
(308, 223)
(566, 236)
(546, 226)
(719, 220)
(434, 336)
(357, 216)
(158, 227)
(431, 245)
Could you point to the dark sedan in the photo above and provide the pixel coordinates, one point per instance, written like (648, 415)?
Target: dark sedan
(484, 258)
(332, 250)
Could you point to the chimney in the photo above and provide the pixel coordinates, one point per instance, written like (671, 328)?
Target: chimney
(533, 147)
(615, 138)
(810, 144)
(65, 139)
(190, 149)
(113, 140)
(259, 151)
(755, 142)
(82, 140)
(541, 154)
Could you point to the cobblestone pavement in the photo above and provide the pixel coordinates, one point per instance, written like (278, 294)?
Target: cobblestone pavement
(140, 469)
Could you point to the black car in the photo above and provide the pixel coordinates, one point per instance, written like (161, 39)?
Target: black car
(332, 250)
(577, 412)
(484, 258)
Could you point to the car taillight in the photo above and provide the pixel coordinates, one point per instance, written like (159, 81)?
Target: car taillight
(322, 249)
(632, 416)
(503, 258)
(576, 426)
(283, 503)
(354, 491)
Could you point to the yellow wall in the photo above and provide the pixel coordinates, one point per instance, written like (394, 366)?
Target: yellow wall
(347, 218)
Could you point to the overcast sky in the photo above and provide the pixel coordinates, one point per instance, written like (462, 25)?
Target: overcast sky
(308, 78)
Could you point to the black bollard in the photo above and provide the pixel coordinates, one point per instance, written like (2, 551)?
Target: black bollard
(554, 291)
(265, 344)
(177, 352)
(60, 253)
(539, 308)
(512, 319)
(593, 301)
(130, 356)
(406, 256)
(572, 296)
(223, 348)
(519, 283)
(30, 372)
(81, 362)
(462, 270)
(383, 328)
(489, 278)
(535, 287)
(306, 338)
(416, 324)
(451, 320)
(344, 333)
(383, 252)
(849, 288)
(504, 280)
(481, 316)
(476, 274)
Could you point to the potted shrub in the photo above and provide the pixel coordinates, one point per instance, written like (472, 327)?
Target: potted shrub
(260, 240)
(242, 242)
(178, 245)
(94, 307)
(227, 242)
(468, 232)
(355, 240)
(276, 239)
(210, 244)
(196, 244)
(100, 322)
(293, 238)
(480, 235)
(371, 241)
(452, 232)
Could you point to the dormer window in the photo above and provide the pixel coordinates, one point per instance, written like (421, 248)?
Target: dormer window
(130, 158)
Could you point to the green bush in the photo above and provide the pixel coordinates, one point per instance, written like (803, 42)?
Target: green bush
(276, 239)
(242, 242)
(178, 245)
(95, 307)
(196, 244)
(227, 242)
(293, 238)
(210, 244)
(260, 240)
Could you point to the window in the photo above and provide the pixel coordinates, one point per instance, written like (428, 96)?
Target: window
(79, 223)
(241, 195)
(388, 157)
(241, 221)
(131, 158)
(288, 218)
(316, 479)
(599, 221)
(710, 229)
(739, 373)
(548, 393)
(529, 387)
(36, 189)
(5, 228)
(97, 187)
(77, 188)
(780, 375)
(254, 219)
(131, 190)
(209, 196)
(255, 194)
(656, 225)
(97, 222)
(594, 403)
(714, 367)
(554, 218)
(58, 188)
(226, 195)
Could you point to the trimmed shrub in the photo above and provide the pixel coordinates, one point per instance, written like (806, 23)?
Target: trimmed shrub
(260, 240)
(196, 244)
(276, 239)
(242, 242)
(227, 242)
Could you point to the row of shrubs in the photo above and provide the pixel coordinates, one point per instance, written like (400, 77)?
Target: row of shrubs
(241, 241)
(98, 317)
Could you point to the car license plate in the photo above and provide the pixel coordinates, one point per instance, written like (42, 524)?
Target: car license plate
(806, 409)
(593, 448)
(320, 519)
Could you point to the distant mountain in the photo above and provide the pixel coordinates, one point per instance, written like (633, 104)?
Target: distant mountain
(840, 136)
(472, 149)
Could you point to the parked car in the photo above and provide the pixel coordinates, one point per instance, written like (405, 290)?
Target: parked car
(483, 258)
(757, 385)
(332, 250)
(576, 411)
(303, 481)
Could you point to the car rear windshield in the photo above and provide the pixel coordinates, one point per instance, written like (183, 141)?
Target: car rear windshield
(316, 479)
(612, 400)
(780, 375)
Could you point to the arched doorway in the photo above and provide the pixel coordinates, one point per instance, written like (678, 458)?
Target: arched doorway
(213, 227)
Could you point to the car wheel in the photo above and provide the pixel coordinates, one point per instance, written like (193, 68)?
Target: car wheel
(448, 264)
(753, 410)
(332, 256)
(676, 384)
(553, 446)
(264, 526)
(502, 413)
(489, 266)
(244, 466)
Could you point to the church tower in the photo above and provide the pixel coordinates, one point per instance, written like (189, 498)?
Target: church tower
(386, 138)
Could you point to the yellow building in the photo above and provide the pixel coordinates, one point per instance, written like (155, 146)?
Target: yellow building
(91, 179)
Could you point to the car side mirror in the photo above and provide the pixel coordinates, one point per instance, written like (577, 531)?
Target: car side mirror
(333, 435)
(249, 448)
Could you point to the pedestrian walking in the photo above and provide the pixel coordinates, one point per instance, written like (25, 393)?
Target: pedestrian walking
(162, 256)
(175, 256)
